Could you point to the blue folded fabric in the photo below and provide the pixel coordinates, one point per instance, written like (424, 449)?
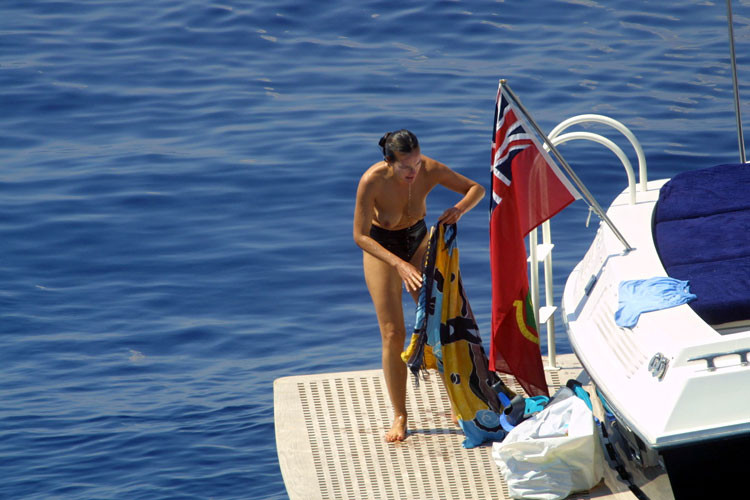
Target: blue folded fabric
(652, 294)
(521, 409)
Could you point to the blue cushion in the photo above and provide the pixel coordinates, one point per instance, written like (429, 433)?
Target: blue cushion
(697, 193)
(702, 233)
(722, 289)
(704, 239)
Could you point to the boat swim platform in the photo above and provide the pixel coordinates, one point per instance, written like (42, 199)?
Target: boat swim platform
(330, 432)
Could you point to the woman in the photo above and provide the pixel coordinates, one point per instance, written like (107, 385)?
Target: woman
(389, 227)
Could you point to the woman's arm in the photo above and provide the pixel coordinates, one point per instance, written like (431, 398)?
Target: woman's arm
(472, 191)
(364, 210)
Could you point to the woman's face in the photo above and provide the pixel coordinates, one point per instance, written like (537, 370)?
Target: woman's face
(407, 165)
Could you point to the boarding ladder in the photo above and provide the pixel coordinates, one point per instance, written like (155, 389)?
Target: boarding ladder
(541, 253)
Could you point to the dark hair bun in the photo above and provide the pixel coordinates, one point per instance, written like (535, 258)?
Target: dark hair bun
(400, 141)
(382, 142)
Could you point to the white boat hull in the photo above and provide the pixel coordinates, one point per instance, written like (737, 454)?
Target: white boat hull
(675, 385)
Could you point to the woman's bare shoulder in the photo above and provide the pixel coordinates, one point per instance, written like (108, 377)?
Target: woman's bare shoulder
(372, 181)
(432, 166)
(376, 173)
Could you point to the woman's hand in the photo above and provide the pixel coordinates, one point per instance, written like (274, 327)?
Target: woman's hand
(411, 277)
(450, 216)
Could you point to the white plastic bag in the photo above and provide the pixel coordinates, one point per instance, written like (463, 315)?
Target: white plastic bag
(552, 454)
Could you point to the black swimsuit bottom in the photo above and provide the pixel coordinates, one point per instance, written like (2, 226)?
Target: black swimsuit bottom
(403, 243)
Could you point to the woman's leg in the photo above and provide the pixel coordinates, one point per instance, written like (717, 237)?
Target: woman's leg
(384, 285)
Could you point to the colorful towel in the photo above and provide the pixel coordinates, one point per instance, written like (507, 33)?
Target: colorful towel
(446, 338)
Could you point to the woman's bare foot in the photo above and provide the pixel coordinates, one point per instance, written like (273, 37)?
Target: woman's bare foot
(398, 430)
(454, 418)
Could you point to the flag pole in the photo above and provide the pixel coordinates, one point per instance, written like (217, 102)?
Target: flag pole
(733, 61)
(584, 191)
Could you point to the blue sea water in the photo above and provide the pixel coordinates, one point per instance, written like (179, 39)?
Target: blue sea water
(176, 191)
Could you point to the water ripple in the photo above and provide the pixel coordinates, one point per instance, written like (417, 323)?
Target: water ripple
(177, 193)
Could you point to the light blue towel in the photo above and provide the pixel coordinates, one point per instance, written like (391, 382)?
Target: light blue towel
(652, 294)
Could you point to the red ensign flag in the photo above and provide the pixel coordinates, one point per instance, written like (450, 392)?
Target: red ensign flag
(527, 189)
